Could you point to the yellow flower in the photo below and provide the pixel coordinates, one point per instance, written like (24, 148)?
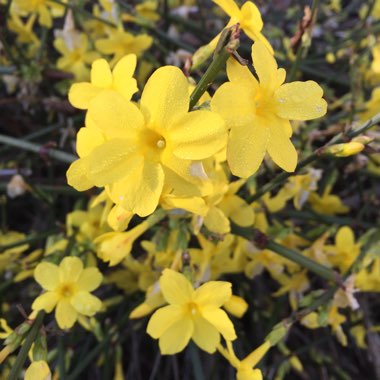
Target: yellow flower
(120, 43)
(38, 370)
(345, 250)
(75, 55)
(373, 104)
(120, 80)
(86, 225)
(116, 246)
(258, 113)
(368, 279)
(68, 288)
(245, 368)
(134, 151)
(328, 204)
(9, 256)
(191, 314)
(23, 30)
(249, 18)
(45, 9)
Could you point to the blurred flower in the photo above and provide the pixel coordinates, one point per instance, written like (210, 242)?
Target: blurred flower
(68, 288)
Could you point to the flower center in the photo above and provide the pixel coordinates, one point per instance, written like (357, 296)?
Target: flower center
(152, 144)
(66, 290)
(193, 309)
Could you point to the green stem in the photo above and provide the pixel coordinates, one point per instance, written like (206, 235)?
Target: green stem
(23, 354)
(226, 45)
(304, 261)
(61, 358)
(263, 242)
(25, 145)
(341, 137)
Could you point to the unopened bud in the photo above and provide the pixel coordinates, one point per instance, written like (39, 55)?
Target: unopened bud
(344, 150)
(40, 348)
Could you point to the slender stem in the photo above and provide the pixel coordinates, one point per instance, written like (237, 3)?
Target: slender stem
(304, 261)
(264, 242)
(281, 178)
(22, 355)
(61, 358)
(227, 44)
(25, 145)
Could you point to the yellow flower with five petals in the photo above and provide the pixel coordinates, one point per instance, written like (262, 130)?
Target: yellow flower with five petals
(120, 80)
(258, 112)
(191, 314)
(68, 288)
(133, 151)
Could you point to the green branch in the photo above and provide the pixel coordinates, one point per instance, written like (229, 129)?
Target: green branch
(263, 242)
(23, 354)
(228, 43)
(25, 145)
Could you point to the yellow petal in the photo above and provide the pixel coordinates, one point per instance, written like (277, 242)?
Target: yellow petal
(213, 293)
(280, 148)
(175, 287)
(123, 80)
(77, 175)
(165, 97)
(81, 94)
(85, 303)
(265, 66)
(246, 148)
(241, 74)
(252, 15)
(87, 140)
(229, 6)
(240, 212)
(46, 274)
(235, 102)
(163, 319)
(300, 101)
(216, 221)
(70, 269)
(114, 116)
(176, 338)
(46, 301)
(38, 370)
(219, 319)
(112, 161)
(119, 218)
(248, 373)
(205, 335)
(89, 279)
(345, 239)
(65, 314)
(236, 306)
(101, 75)
(141, 190)
(198, 135)
(196, 205)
